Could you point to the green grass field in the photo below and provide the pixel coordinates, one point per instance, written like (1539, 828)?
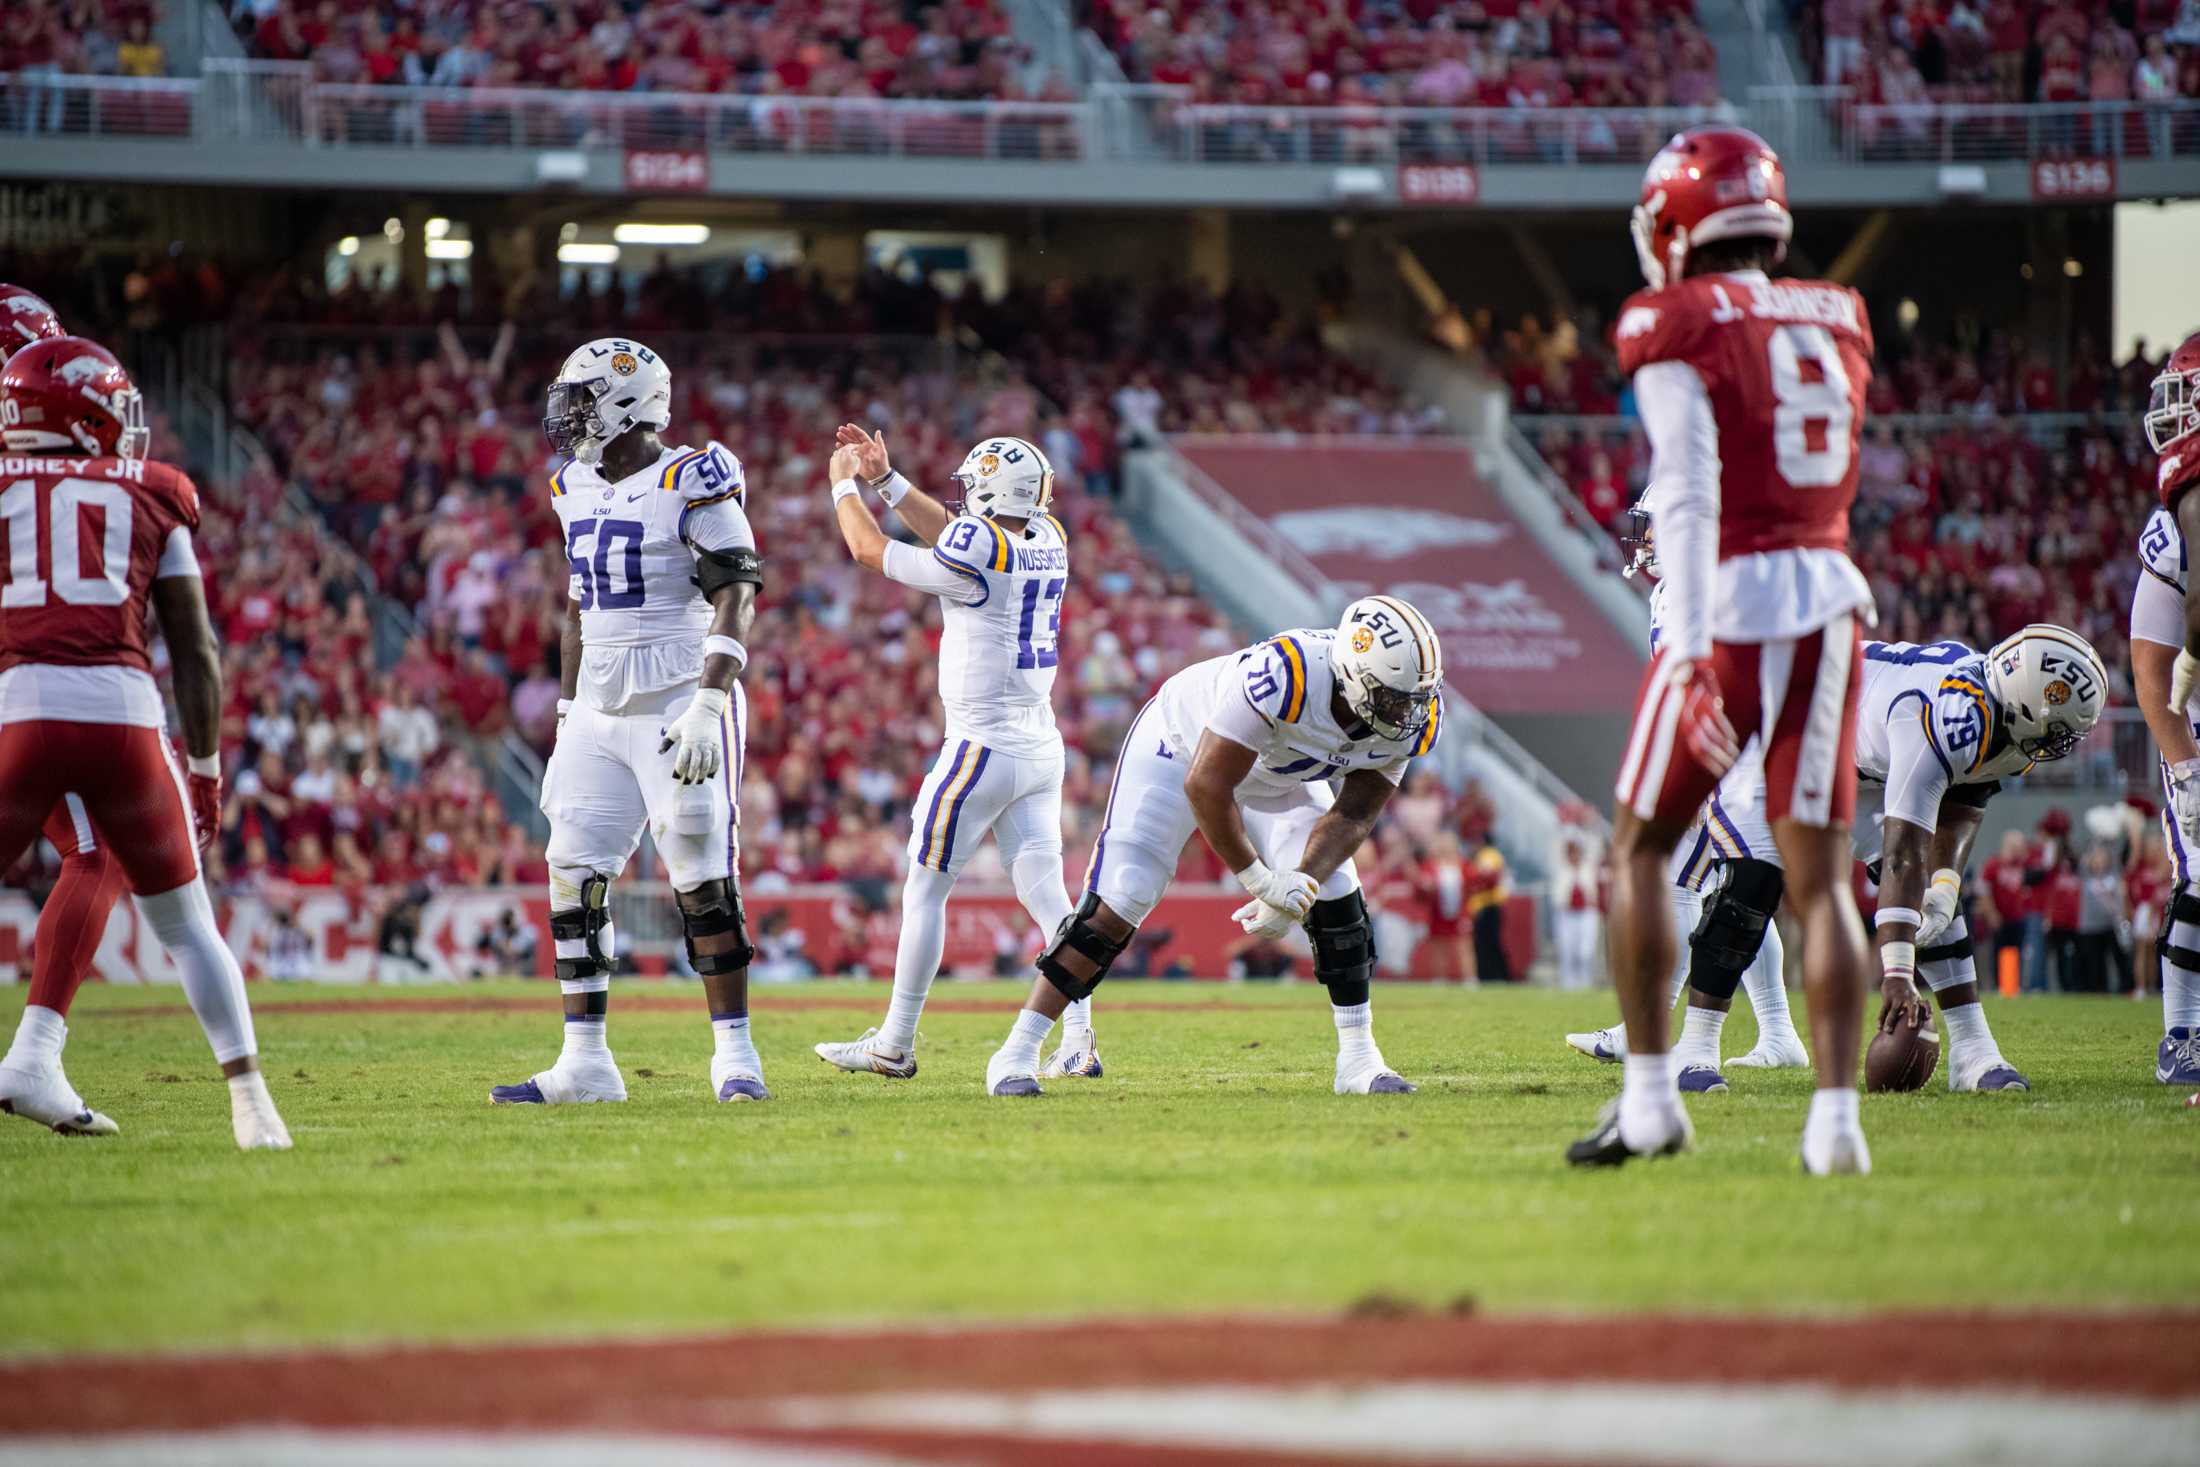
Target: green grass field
(1211, 1168)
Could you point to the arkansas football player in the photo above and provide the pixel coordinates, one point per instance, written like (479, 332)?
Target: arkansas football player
(1752, 393)
(96, 536)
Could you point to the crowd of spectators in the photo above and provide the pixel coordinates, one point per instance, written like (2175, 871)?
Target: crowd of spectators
(2073, 906)
(80, 37)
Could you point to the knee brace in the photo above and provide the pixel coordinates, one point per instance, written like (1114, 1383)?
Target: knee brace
(1732, 927)
(713, 910)
(2182, 906)
(1078, 936)
(1948, 963)
(588, 924)
(1344, 947)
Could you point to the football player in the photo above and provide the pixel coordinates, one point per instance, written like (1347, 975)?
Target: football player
(74, 918)
(1751, 391)
(1000, 569)
(1242, 749)
(652, 723)
(82, 724)
(2165, 672)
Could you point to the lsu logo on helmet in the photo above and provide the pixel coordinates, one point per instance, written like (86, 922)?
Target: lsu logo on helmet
(1363, 637)
(2057, 693)
(624, 364)
(989, 465)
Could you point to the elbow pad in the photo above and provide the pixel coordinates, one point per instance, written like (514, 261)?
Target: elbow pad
(717, 569)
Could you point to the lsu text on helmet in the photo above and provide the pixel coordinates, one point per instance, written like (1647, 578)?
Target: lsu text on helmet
(1388, 665)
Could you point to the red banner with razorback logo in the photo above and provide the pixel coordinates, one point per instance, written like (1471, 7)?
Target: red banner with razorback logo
(667, 172)
(1416, 520)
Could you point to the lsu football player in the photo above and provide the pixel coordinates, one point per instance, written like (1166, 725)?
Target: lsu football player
(664, 578)
(1000, 569)
(2165, 672)
(1242, 749)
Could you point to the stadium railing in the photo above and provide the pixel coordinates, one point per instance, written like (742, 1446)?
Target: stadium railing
(1969, 132)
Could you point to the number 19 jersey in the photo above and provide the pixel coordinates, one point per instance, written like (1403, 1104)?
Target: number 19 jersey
(1000, 642)
(630, 549)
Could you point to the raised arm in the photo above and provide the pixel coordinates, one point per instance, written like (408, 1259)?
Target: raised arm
(924, 515)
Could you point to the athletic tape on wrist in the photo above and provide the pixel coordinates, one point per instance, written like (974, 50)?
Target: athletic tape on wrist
(845, 489)
(205, 766)
(1885, 915)
(717, 644)
(1254, 878)
(1898, 960)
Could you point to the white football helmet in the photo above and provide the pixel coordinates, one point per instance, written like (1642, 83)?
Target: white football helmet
(605, 388)
(1006, 478)
(1388, 665)
(2051, 687)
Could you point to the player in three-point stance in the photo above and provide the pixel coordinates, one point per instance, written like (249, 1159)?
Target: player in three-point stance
(74, 918)
(97, 537)
(1242, 749)
(1000, 569)
(1752, 393)
(650, 731)
(2165, 676)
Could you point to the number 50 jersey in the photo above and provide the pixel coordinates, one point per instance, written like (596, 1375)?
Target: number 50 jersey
(630, 549)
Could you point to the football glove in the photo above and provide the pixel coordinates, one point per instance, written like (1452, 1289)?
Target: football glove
(206, 802)
(694, 737)
(2184, 797)
(1262, 920)
(1704, 726)
(1292, 892)
(2183, 678)
(1942, 899)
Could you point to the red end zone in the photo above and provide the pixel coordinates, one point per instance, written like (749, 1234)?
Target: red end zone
(1390, 1387)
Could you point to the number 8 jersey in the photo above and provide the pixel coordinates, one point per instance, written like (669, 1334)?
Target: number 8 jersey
(1001, 619)
(630, 550)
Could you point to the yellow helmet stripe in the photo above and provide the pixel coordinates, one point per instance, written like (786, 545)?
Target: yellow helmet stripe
(1424, 640)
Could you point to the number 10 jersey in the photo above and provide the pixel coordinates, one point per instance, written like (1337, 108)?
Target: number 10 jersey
(630, 549)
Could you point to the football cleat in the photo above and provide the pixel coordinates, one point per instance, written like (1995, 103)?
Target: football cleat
(45, 1095)
(1775, 1052)
(1604, 1147)
(1700, 1080)
(742, 1087)
(1837, 1153)
(1008, 1076)
(1994, 1073)
(1077, 1059)
(2177, 1062)
(256, 1124)
(564, 1084)
(870, 1055)
(1605, 1046)
(1368, 1075)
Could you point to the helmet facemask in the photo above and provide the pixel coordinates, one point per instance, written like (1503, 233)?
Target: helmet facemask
(571, 421)
(2172, 411)
(1394, 713)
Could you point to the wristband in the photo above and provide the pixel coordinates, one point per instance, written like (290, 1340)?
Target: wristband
(1898, 960)
(845, 489)
(891, 487)
(1255, 877)
(1949, 877)
(205, 766)
(719, 645)
(565, 706)
(1896, 914)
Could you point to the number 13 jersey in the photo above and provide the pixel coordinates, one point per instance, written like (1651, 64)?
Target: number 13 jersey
(1000, 626)
(630, 549)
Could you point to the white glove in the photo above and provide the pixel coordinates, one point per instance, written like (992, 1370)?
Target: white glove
(2183, 678)
(1261, 920)
(695, 734)
(2184, 797)
(1291, 891)
(1942, 900)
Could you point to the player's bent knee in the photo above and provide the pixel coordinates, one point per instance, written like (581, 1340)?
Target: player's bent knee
(715, 927)
(580, 924)
(1082, 950)
(1733, 925)
(1344, 947)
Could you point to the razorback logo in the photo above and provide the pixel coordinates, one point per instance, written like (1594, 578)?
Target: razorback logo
(1638, 321)
(2168, 471)
(80, 370)
(22, 305)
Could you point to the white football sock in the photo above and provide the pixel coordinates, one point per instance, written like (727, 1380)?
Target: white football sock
(1967, 1032)
(1766, 982)
(735, 1050)
(584, 1037)
(1649, 1094)
(1687, 910)
(1077, 1024)
(1699, 1041)
(1832, 1110)
(2180, 989)
(183, 919)
(1026, 1036)
(1355, 1030)
(38, 1039)
(917, 955)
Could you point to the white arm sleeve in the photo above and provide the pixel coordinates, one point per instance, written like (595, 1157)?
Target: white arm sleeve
(924, 571)
(1918, 774)
(1683, 499)
(177, 558)
(718, 524)
(2157, 612)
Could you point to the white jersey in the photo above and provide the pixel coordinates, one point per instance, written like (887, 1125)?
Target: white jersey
(1732, 824)
(1000, 596)
(1275, 699)
(1924, 724)
(631, 548)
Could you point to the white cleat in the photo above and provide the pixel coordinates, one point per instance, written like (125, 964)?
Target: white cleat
(1368, 1075)
(45, 1095)
(870, 1055)
(1605, 1046)
(1836, 1153)
(1077, 1059)
(563, 1084)
(254, 1119)
(1006, 1075)
(1775, 1052)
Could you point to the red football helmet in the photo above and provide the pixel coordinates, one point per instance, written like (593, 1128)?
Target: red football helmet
(71, 395)
(1709, 183)
(24, 318)
(2173, 408)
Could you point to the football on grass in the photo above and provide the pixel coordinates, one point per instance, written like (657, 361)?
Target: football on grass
(1902, 1057)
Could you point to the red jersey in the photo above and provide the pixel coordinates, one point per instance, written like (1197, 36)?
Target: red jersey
(86, 537)
(1786, 364)
(2178, 470)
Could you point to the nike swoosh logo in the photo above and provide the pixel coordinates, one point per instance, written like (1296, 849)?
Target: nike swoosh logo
(632, 497)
